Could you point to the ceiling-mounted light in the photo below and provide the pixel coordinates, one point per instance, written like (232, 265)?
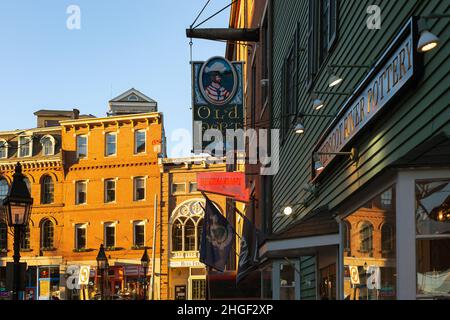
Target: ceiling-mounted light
(287, 211)
(427, 41)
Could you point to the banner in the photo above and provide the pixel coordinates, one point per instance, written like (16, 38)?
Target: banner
(218, 100)
(248, 255)
(217, 238)
(230, 184)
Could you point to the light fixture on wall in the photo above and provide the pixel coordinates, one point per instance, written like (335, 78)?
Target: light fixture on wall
(335, 79)
(428, 41)
(299, 127)
(287, 211)
(318, 103)
(318, 164)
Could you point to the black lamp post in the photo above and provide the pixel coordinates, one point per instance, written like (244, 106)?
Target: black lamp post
(18, 204)
(145, 261)
(102, 265)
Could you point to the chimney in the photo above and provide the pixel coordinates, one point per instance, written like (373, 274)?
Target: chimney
(76, 114)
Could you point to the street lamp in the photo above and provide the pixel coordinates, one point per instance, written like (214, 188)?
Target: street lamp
(145, 261)
(17, 205)
(102, 265)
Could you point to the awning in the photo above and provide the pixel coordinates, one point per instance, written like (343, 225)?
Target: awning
(317, 229)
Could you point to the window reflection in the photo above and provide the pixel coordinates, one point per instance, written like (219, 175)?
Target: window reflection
(433, 237)
(287, 282)
(370, 259)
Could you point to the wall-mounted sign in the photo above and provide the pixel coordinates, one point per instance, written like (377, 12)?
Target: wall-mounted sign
(230, 184)
(354, 275)
(218, 100)
(186, 264)
(397, 68)
(84, 273)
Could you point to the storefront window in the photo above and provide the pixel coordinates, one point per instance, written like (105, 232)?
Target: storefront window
(287, 282)
(433, 237)
(370, 258)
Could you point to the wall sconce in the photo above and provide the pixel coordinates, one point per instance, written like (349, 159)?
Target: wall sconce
(428, 41)
(299, 126)
(334, 79)
(318, 103)
(318, 165)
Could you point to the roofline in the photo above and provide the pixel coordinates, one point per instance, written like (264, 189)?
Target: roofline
(112, 118)
(25, 131)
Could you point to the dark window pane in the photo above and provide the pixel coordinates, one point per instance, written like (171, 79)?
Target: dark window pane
(177, 236)
(81, 146)
(3, 236)
(4, 187)
(140, 141)
(139, 235)
(110, 236)
(47, 190)
(81, 237)
(47, 235)
(110, 190)
(110, 144)
(189, 236)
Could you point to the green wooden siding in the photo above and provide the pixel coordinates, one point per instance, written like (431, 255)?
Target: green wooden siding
(308, 278)
(416, 116)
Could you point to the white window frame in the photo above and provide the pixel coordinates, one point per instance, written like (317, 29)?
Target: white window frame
(87, 145)
(30, 146)
(106, 225)
(193, 183)
(135, 141)
(276, 276)
(77, 200)
(105, 190)
(135, 189)
(139, 223)
(5, 148)
(80, 226)
(52, 139)
(106, 144)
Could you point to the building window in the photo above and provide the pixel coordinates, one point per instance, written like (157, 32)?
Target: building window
(82, 147)
(48, 145)
(178, 188)
(81, 192)
(289, 104)
(139, 141)
(110, 235)
(4, 188)
(139, 189)
(3, 149)
(139, 234)
(198, 289)
(28, 184)
(25, 147)
(346, 232)
(111, 144)
(133, 98)
(47, 235)
(110, 190)
(193, 187)
(3, 237)
(187, 227)
(48, 190)
(373, 232)
(25, 238)
(322, 33)
(366, 237)
(80, 236)
(433, 237)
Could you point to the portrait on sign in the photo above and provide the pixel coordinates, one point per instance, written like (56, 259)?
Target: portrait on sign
(218, 81)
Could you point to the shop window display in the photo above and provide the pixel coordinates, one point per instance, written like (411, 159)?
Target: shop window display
(370, 256)
(433, 238)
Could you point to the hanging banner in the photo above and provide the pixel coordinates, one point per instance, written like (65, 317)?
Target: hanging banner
(218, 101)
(230, 184)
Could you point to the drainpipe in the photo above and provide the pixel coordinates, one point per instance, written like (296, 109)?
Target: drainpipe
(152, 279)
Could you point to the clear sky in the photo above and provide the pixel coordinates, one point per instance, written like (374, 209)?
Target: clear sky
(121, 44)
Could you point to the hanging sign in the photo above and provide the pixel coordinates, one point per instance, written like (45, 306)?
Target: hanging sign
(218, 100)
(230, 184)
(84, 274)
(354, 275)
(397, 68)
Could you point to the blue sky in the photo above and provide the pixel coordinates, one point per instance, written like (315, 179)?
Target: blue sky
(121, 44)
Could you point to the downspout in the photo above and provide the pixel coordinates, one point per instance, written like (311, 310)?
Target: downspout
(152, 279)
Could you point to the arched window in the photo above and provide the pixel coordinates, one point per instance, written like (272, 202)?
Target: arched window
(47, 234)
(187, 226)
(47, 190)
(27, 182)
(366, 237)
(25, 238)
(3, 149)
(387, 237)
(3, 237)
(189, 235)
(177, 235)
(346, 233)
(48, 145)
(4, 187)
